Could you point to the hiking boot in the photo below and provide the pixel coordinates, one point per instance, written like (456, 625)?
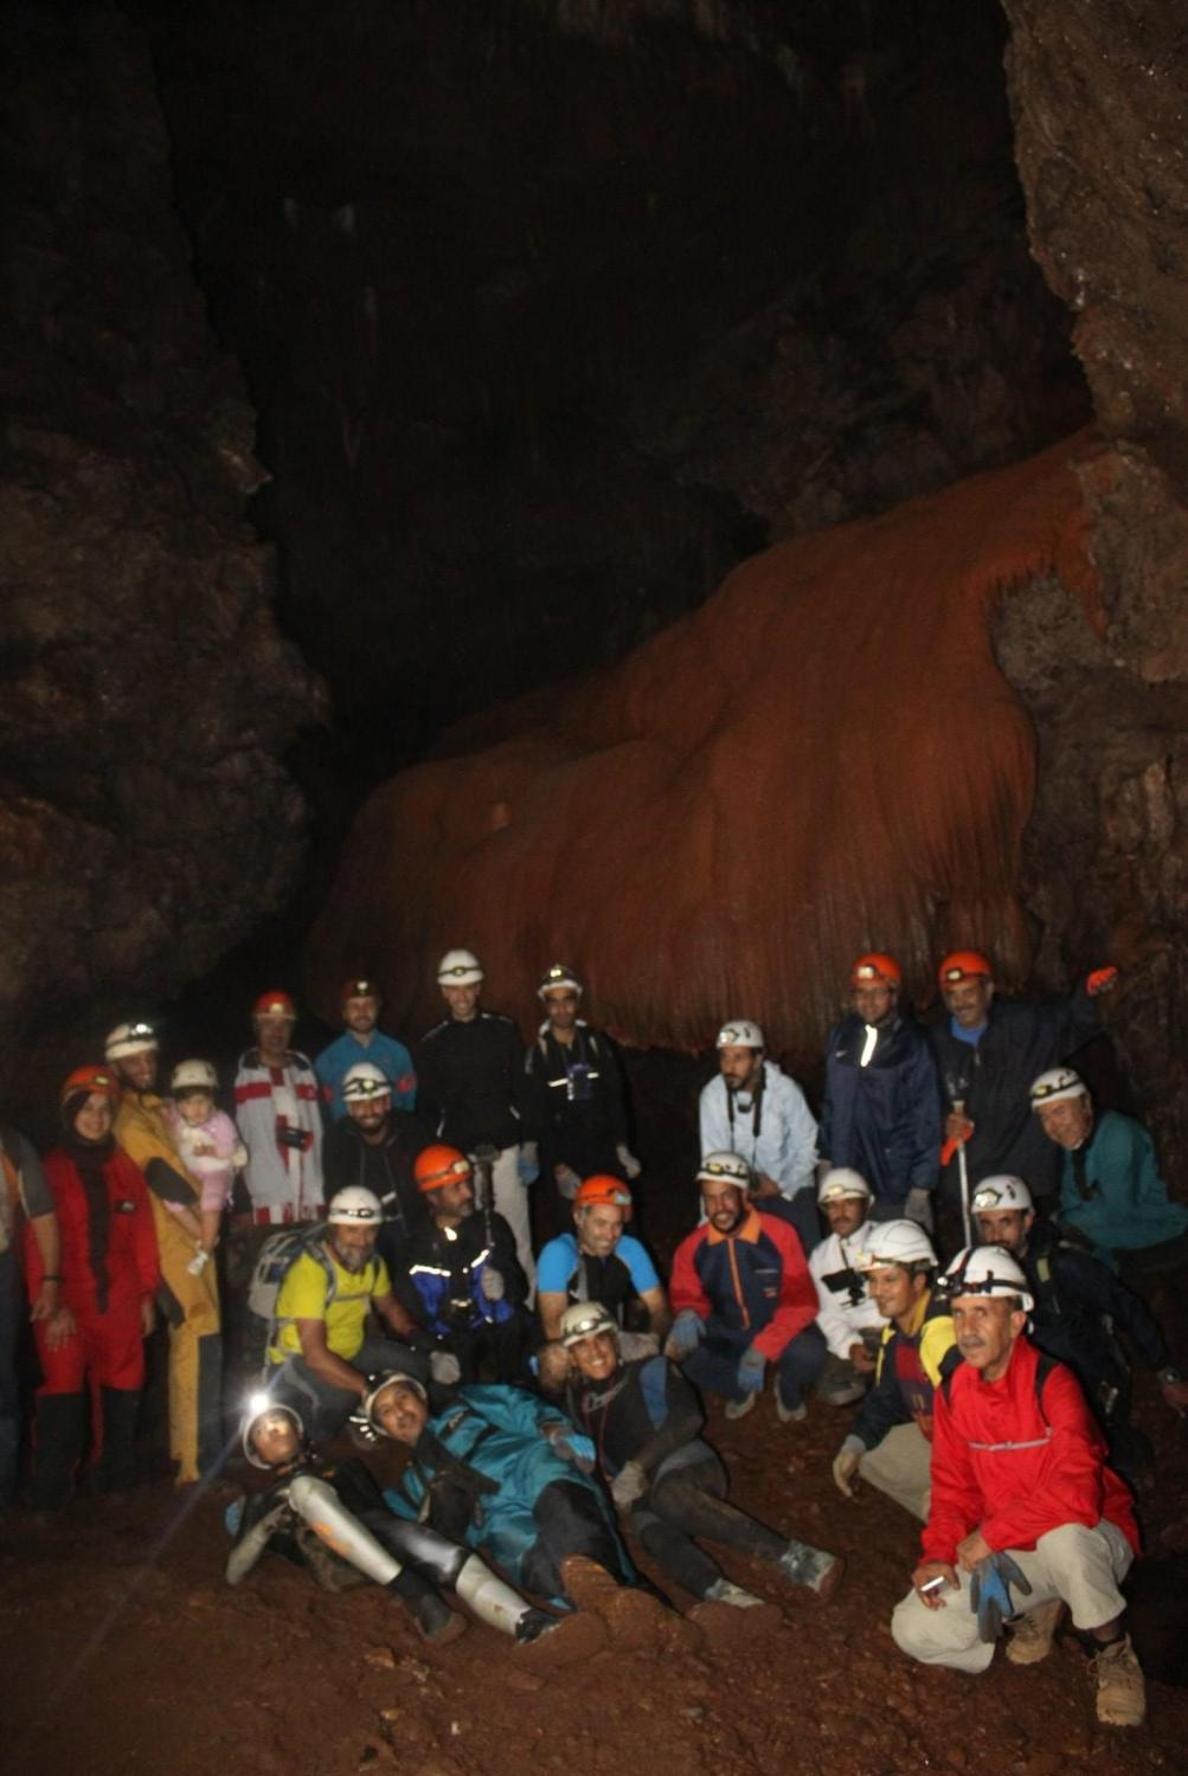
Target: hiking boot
(1032, 1635)
(635, 1617)
(549, 1643)
(817, 1571)
(840, 1383)
(740, 1408)
(727, 1623)
(1121, 1693)
(791, 1415)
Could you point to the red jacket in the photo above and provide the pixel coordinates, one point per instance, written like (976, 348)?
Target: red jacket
(753, 1280)
(1015, 1464)
(131, 1257)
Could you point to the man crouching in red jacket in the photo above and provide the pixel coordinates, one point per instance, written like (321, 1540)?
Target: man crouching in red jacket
(1022, 1499)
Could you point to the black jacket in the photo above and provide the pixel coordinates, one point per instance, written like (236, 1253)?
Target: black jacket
(574, 1102)
(385, 1169)
(470, 1081)
(647, 1412)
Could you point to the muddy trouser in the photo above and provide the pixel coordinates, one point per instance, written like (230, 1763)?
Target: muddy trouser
(572, 1521)
(245, 1333)
(105, 1353)
(690, 1501)
(713, 1365)
(11, 1302)
(324, 1408)
(901, 1466)
(506, 1343)
(1082, 1566)
(190, 1305)
(511, 1201)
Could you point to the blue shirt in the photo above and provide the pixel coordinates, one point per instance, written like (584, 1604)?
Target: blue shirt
(973, 1037)
(384, 1052)
(559, 1260)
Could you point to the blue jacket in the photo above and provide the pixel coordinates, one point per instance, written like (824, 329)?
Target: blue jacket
(883, 1119)
(384, 1052)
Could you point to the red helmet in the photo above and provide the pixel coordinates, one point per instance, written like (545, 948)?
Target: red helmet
(438, 1165)
(963, 965)
(91, 1079)
(876, 966)
(603, 1191)
(274, 1004)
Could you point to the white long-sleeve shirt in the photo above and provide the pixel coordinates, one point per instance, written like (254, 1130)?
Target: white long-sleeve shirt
(283, 1181)
(775, 1131)
(846, 1309)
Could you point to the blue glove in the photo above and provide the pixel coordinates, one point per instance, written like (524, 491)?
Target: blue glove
(576, 1448)
(528, 1165)
(990, 1593)
(751, 1371)
(688, 1330)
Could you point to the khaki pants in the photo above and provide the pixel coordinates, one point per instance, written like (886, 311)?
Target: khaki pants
(901, 1466)
(1082, 1566)
(511, 1201)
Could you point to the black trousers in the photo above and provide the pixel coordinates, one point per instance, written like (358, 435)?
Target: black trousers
(689, 1503)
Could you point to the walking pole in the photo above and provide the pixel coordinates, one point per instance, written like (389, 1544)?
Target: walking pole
(963, 1173)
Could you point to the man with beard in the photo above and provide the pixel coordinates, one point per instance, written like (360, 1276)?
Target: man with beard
(753, 1109)
(362, 1040)
(375, 1145)
(848, 1320)
(600, 1261)
(881, 1112)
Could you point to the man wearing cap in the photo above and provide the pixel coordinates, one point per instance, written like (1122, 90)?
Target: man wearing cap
(460, 1279)
(362, 1040)
(276, 1107)
(753, 1109)
(880, 1115)
(189, 1301)
(575, 1112)
(988, 1050)
(1026, 1518)
(890, 1442)
(24, 1194)
(470, 1072)
(375, 1145)
(742, 1298)
(1110, 1189)
(848, 1320)
(1078, 1308)
(599, 1261)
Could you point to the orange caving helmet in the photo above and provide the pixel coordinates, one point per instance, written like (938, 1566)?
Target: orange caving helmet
(876, 966)
(963, 965)
(604, 1191)
(275, 1004)
(91, 1079)
(438, 1165)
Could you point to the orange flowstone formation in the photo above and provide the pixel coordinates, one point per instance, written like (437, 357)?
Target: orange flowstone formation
(822, 759)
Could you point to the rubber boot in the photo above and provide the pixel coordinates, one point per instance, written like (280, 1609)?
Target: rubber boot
(115, 1469)
(59, 1432)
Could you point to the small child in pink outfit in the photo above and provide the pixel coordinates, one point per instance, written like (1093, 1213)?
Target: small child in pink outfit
(209, 1147)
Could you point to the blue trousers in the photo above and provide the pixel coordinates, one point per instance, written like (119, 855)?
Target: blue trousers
(713, 1366)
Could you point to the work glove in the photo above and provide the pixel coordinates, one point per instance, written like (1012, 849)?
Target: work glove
(444, 1368)
(568, 1182)
(492, 1284)
(528, 1163)
(631, 1166)
(628, 1485)
(990, 1593)
(918, 1208)
(751, 1370)
(845, 1464)
(573, 1446)
(634, 1345)
(688, 1330)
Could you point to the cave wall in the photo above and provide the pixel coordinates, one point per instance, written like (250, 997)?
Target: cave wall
(146, 698)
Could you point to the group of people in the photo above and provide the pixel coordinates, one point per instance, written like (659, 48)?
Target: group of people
(946, 1251)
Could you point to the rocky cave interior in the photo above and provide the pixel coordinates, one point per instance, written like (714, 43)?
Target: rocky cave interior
(377, 373)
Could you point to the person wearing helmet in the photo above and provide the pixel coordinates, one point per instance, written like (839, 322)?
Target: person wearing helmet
(847, 1318)
(743, 1298)
(753, 1109)
(276, 1107)
(601, 1262)
(1111, 1193)
(880, 1114)
(25, 1197)
(189, 1298)
(322, 1354)
(91, 1351)
(988, 1050)
(460, 1279)
(575, 1106)
(1026, 1516)
(470, 1069)
(1078, 1309)
(362, 1040)
(208, 1145)
(890, 1442)
(644, 1419)
(375, 1145)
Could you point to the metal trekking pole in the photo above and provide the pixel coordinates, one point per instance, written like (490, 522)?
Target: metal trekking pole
(963, 1174)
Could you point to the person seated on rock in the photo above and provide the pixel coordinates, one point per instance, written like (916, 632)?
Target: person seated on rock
(890, 1441)
(644, 1419)
(600, 1261)
(461, 1281)
(849, 1321)
(331, 1518)
(363, 1040)
(743, 1298)
(321, 1354)
(1110, 1189)
(1078, 1309)
(753, 1109)
(510, 1476)
(375, 1145)
(1025, 1517)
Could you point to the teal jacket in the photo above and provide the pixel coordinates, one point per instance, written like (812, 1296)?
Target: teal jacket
(1111, 1191)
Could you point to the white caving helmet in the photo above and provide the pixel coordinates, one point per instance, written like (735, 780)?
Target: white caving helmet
(459, 968)
(264, 1406)
(364, 1083)
(839, 1182)
(987, 1270)
(586, 1319)
(377, 1384)
(740, 1033)
(556, 977)
(129, 1039)
(896, 1242)
(730, 1166)
(1053, 1087)
(1001, 1192)
(354, 1207)
(194, 1076)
